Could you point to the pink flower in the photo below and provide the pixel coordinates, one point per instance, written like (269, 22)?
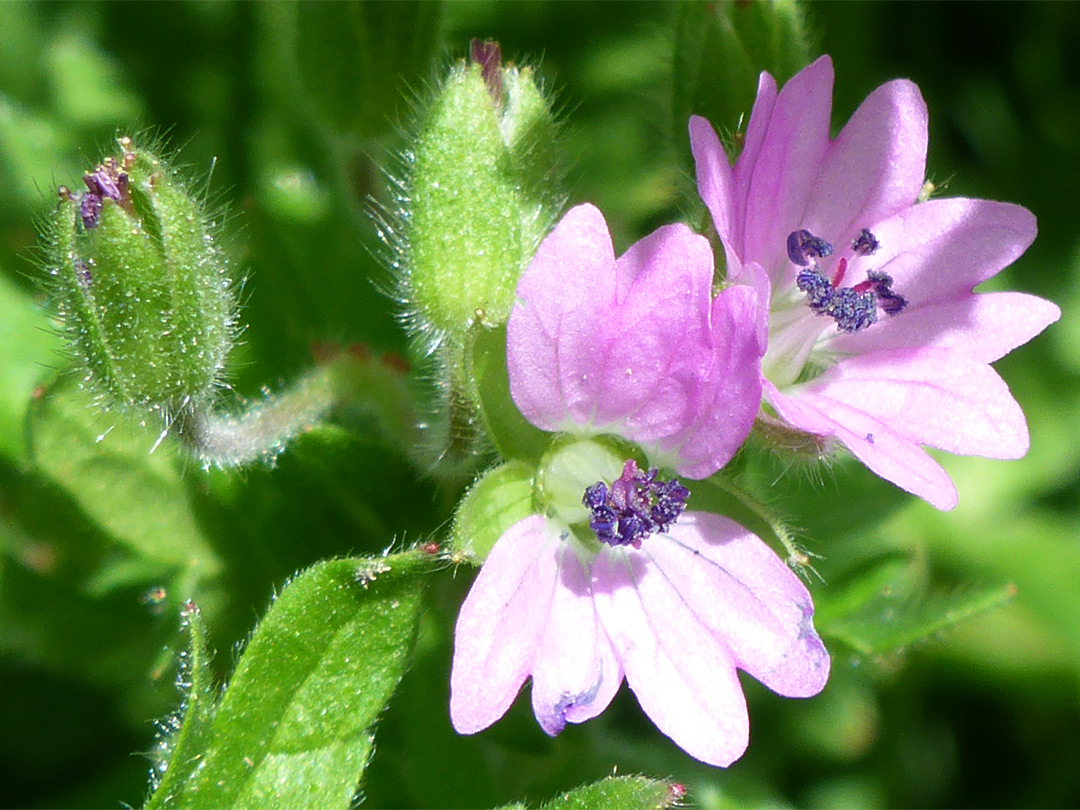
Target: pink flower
(875, 336)
(622, 581)
(631, 347)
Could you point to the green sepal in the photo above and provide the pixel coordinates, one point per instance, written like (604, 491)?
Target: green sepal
(464, 228)
(500, 498)
(511, 433)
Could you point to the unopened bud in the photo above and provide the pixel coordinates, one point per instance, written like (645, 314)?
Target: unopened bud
(482, 192)
(141, 284)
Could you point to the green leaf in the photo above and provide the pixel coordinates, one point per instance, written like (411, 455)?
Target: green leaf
(358, 61)
(878, 610)
(176, 756)
(88, 85)
(33, 151)
(108, 466)
(294, 728)
(615, 792)
(75, 603)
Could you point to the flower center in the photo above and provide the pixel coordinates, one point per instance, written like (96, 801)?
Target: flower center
(853, 308)
(636, 505)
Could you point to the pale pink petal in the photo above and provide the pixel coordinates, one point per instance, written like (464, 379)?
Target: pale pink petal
(683, 676)
(655, 365)
(742, 593)
(743, 171)
(732, 397)
(887, 452)
(984, 327)
(576, 673)
(941, 249)
(874, 168)
(933, 397)
(715, 187)
(788, 164)
(754, 276)
(501, 623)
(556, 334)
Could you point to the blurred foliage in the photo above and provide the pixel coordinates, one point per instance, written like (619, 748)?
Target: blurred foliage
(101, 543)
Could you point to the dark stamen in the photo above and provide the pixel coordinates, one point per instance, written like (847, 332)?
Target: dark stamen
(107, 181)
(803, 247)
(635, 506)
(865, 243)
(853, 308)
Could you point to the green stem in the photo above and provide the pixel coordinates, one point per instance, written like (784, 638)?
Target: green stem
(353, 383)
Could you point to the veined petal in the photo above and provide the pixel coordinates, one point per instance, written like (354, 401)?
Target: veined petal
(576, 673)
(934, 397)
(787, 165)
(983, 327)
(733, 393)
(657, 361)
(747, 597)
(875, 167)
(557, 334)
(940, 249)
(887, 452)
(501, 623)
(743, 171)
(683, 676)
(714, 184)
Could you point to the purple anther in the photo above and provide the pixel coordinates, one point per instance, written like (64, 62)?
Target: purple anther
(818, 289)
(604, 522)
(488, 55)
(865, 243)
(595, 495)
(892, 303)
(107, 181)
(636, 505)
(90, 209)
(803, 247)
(853, 308)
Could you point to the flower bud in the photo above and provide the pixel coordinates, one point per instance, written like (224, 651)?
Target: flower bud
(141, 284)
(481, 193)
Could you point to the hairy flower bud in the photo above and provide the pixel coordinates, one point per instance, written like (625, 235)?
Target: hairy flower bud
(481, 193)
(141, 284)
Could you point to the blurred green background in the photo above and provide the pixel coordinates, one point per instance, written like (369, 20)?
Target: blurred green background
(984, 713)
